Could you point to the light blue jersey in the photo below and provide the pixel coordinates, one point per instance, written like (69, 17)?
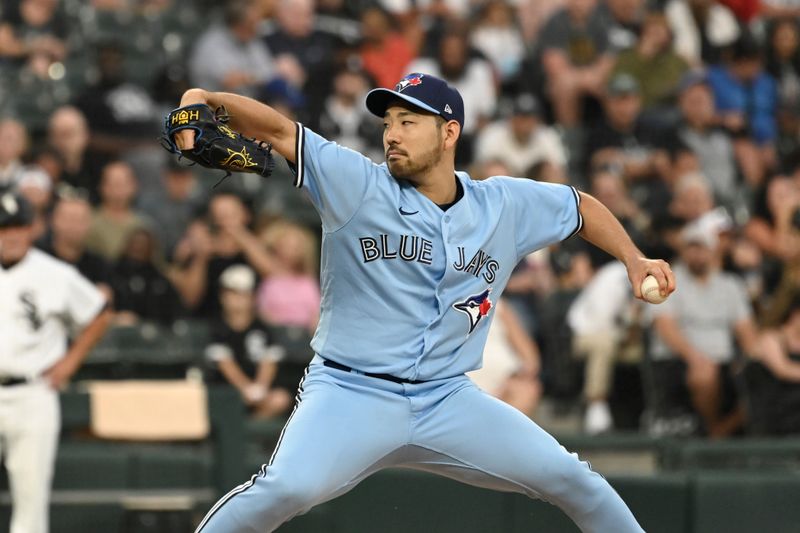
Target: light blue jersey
(408, 289)
(408, 295)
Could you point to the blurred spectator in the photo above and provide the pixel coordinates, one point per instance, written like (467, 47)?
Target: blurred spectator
(231, 57)
(532, 16)
(745, 95)
(31, 27)
(173, 204)
(744, 259)
(511, 366)
(240, 352)
(471, 75)
(531, 282)
(575, 57)
(339, 18)
(702, 29)
(783, 64)
(121, 114)
(35, 90)
(115, 218)
(571, 270)
(775, 219)
(290, 295)
(210, 246)
(624, 19)
(497, 36)
(692, 198)
(13, 145)
(778, 389)
(70, 223)
(623, 144)
(344, 118)
(693, 346)
(142, 292)
(610, 189)
(303, 54)
(664, 237)
(286, 98)
(385, 53)
(68, 135)
(712, 147)
(605, 324)
(654, 64)
(522, 140)
(782, 59)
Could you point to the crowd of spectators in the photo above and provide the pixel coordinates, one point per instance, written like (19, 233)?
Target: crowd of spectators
(682, 116)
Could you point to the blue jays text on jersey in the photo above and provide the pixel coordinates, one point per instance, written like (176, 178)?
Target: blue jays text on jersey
(419, 283)
(415, 248)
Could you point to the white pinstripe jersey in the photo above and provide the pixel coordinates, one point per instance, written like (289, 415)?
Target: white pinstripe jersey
(41, 297)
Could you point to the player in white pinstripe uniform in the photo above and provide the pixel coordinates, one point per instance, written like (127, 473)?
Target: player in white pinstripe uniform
(41, 300)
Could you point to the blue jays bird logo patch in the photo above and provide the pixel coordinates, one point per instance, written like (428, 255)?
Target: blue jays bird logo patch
(409, 81)
(475, 307)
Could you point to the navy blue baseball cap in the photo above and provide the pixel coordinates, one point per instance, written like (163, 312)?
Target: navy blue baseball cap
(423, 91)
(15, 210)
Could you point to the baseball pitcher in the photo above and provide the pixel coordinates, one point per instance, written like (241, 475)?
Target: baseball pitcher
(414, 258)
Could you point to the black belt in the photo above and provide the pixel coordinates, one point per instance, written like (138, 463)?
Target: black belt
(10, 381)
(387, 377)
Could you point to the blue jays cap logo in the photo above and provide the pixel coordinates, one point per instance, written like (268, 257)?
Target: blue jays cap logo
(475, 307)
(411, 80)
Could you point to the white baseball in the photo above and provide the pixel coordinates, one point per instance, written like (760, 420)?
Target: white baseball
(650, 291)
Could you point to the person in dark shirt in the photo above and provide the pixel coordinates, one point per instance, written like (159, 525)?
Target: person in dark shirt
(70, 223)
(575, 57)
(775, 376)
(303, 51)
(30, 26)
(121, 114)
(143, 292)
(611, 190)
(68, 136)
(240, 352)
(624, 144)
(173, 203)
(211, 245)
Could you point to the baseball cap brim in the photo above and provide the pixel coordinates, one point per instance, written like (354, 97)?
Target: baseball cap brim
(378, 100)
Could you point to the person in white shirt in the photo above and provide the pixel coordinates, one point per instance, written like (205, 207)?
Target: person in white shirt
(600, 319)
(522, 140)
(42, 300)
(697, 330)
(719, 29)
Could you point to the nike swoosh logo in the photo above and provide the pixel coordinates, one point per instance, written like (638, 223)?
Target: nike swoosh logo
(406, 213)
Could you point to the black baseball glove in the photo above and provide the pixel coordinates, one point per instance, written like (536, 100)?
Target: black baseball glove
(215, 144)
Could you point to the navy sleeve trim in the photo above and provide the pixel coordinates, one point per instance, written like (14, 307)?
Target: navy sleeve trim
(298, 155)
(578, 211)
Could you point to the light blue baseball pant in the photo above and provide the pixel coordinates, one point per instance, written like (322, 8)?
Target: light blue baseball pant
(347, 426)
